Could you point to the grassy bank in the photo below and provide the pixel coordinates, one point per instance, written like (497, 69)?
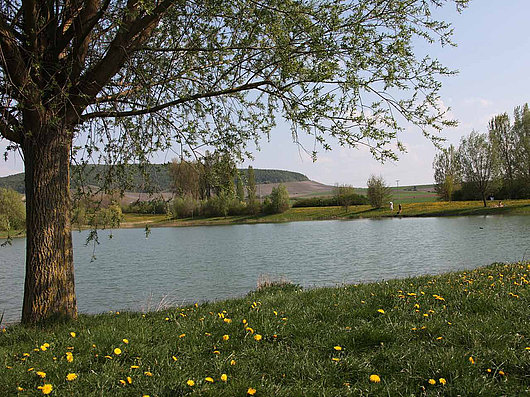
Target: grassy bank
(463, 333)
(422, 209)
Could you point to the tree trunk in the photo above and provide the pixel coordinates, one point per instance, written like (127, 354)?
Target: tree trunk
(49, 290)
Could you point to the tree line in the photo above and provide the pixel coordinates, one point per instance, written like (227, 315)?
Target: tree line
(493, 164)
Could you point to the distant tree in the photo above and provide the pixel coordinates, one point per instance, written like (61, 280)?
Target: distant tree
(446, 172)
(378, 192)
(278, 201)
(345, 195)
(503, 150)
(185, 176)
(240, 189)
(476, 162)
(252, 202)
(12, 210)
(521, 129)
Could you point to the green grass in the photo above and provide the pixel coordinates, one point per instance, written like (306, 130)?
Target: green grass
(480, 315)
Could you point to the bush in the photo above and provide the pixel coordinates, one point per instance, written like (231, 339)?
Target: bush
(185, 207)
(378, 192)
(278, 201)
(354, 199)
(156, 206)
(12, 210)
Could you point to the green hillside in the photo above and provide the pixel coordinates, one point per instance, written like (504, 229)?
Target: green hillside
(132, 177)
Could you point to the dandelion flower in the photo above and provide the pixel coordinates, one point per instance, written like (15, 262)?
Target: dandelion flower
(117, 351)
(251, 391)
(46, 388)
(335, 359)
(71, 376)
(41, 374)
(190, 383)
(232, 362)
(375, 378)
(257, 337)
(471, 360)
(129, 380)
(338, 348)
(227, 320)
(123, 382)
(134, 366)
(174, 358)
(488, 370)
(43, 348)
(432, 382)
(72, 334)
(381, 311)
(69, 357)
(209, 379)
(442, 381)
(20, 388)
(216, 352)
(147, 373)
(501, 373)
(224, 377)
(226, 337)
(250, 330)
(182, 335)
(126, 341)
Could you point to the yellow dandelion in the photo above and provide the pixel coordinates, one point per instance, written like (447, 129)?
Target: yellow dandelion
(46, 388)
(442, 381)
(20, 388)
(488, 370)
(43, 348)
(501, 373)
(134, 366)
(129, 380)
(117, 351)
(190, 383)
(250, 330)
(147, 373)
(257, 337)
(30, 369)
(224, 377)
(381, 311)
(232, 362)
(182, 335)
(41, 374)
(375, 378)
(439, 338)
(251, 391)
(209, 379)
(338, 348)
(227, 320)
(216, 352)
(167, 319)
(126, 341)
(174, 358)
(72, 334)
(226, 337)
(335, 359)
(123, 382)
(471, 360)
(432, 382)
(71, 376)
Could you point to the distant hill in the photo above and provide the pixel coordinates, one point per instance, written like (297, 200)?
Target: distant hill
(159, 179)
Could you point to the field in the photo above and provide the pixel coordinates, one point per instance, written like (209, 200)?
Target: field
(464, 333)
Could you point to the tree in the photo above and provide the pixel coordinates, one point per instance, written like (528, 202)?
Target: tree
(378, 192)
(185, 178)
(503, 148)
(240, 189)
(446, 172)
(12, 211)
(123, 79)
(344, 194)
(278, 201)
(252, 201)
(476, 161)
(521, 129)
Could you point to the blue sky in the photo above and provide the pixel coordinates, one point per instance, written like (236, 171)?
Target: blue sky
(493, 59)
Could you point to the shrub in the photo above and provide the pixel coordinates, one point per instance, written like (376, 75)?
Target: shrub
(12, 210)
(185, 207)
(354, 199)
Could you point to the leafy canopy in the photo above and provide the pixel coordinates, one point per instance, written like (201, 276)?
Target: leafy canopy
(138, 77)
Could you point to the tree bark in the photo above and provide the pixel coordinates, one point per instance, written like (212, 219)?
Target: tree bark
(49, 290)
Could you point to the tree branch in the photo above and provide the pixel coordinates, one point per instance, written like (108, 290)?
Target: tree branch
(154, 109)
(10, 127)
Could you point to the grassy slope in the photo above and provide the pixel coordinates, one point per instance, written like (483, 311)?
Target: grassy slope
(476, 328)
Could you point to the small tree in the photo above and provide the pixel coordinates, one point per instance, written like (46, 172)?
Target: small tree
(278, 201)
(476, 160)
(446, 173)
(378, 191)
(344, 195)
(12, 210)
(240, 190)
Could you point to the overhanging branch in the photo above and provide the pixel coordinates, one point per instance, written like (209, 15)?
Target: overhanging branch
(154, 109)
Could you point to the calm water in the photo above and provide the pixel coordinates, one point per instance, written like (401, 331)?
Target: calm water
(213, 262)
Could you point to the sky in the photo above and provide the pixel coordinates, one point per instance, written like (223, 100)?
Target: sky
(493, 59)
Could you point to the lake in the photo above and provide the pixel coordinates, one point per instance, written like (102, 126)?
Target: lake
(182, 265)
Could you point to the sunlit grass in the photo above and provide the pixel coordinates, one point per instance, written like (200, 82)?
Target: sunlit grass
(463, 333)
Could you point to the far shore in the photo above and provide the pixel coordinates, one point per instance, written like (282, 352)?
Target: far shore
(425, 209)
